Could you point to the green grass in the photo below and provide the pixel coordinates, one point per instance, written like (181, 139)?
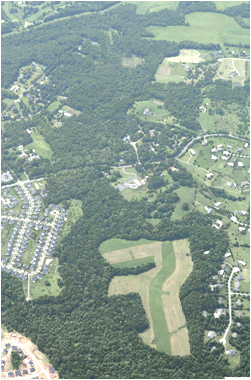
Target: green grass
(153, 6)
(138, 193)
(186, 194)
(39, 289)
(8, 101)
(134, 262)
(207, 120)
(132, 61)
(74, 212)
(222, 5)
(115, 244)
(70, 110)
(53, 106)
(177, 71)
(162, 337)
(40, 145)
(200, 30)
(138, 109)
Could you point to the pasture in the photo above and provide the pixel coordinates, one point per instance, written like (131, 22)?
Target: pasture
(200, 30)
(222, 5)
(158, 287)
(186, 194)
(40, 145)
(170, 71)
(153, 6)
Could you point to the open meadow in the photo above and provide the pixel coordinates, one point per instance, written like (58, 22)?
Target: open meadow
(41, 147)
(200, 30)
(158, 287)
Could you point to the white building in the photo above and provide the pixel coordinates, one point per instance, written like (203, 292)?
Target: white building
(220, 146)
(217, 205)
(228, 254)
(246, 145)
(209, 175)
(224, 158)
(192, 152)
(230, 164)
(241, 262)
(240, 164)
(206, 252)
(214, 157)
(214, 150)
(241, 228)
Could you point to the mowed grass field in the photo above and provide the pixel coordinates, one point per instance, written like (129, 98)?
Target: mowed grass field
(229, 65)
(170, 71)
(139, 107)
(40, 145)
(200, 30)
(154, 288)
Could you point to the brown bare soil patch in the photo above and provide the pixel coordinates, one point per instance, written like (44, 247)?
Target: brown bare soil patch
(158, 102)
(180, 342)
(164, 71)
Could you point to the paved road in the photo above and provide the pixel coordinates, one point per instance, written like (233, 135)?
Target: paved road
(20, 182)
(234, 270)
(208, 135)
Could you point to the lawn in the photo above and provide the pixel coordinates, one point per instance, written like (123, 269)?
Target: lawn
(40, 145)
(187, 56)
(158, 113)
(53, 106)
(229, 65)
(74, 212)
(153, 6)
(200, 30)
(70, 110)
(39, 289)
(206, 119)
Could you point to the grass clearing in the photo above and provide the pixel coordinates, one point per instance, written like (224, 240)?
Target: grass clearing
(187, 56)
(41, 147)
(70, 110)
(115, 244)
(74, 212)
(229, 65)
(186, 194)
(53, 106)
(153, 6)
(222, 5)
(132, 61)
(200, 30)
(170, 71)
(158, 111)
(39, 289)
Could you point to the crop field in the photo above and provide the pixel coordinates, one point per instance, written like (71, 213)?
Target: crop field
(40, 145)
(170, 71)
(158, 288)
(200, 30)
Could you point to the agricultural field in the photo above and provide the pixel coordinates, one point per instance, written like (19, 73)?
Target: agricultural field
(158, 287)
(39, 145)
(200, 30)
(222, 5)
(187, 56)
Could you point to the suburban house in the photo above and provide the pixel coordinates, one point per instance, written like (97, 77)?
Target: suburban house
(228, 254)
(240, 164)
(211, 334)
(241, 262)
(230, 164)
(217, 205)
(209, 175)
(192, 152)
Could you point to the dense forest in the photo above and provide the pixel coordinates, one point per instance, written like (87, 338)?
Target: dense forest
(83, 332)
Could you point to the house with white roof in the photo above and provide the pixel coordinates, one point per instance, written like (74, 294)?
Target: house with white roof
(192, 152)
(217, 205)
(240, 164)
(214, 157)
(230, 164)
(209, 175)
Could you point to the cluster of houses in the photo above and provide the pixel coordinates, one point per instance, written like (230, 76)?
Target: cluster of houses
(187, 68)
(30, 218)
(29, 365)
(66, 114)
(226, 154)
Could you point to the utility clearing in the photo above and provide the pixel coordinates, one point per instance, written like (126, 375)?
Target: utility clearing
(158, 288)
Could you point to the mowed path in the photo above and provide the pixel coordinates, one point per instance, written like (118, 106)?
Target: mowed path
(175, 318)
